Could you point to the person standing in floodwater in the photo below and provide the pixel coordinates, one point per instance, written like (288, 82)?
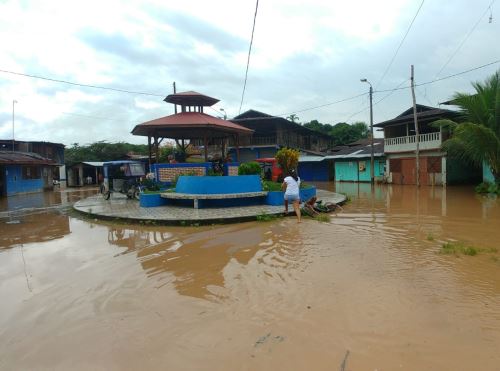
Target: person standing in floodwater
(291, 186)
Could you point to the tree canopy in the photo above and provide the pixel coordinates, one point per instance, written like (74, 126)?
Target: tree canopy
(102, 151)
(341, 133)
(476, 136)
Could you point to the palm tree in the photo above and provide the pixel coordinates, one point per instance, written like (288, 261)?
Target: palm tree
(293, 117)
(476, 137)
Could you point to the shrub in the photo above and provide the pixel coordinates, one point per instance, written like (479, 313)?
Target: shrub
(151, 185)
(287, 158)
(249, 168)
(487, 187)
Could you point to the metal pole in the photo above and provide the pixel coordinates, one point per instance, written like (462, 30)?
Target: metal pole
(372, 162)
(13, 137)
(417, 139)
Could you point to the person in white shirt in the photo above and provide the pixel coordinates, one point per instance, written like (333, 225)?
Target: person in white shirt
(291, 186)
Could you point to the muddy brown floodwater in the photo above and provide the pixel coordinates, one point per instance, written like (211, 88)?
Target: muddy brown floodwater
(79, 294)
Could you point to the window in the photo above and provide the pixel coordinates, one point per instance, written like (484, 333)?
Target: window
(31, 172)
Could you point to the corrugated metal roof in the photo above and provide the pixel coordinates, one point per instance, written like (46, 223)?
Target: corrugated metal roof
(93, 163)
(359, 149)
(311, 158)
(424, 113)
(24, 158)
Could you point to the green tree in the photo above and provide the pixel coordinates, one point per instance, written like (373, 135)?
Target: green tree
(293, 117)
(476, 135)
(102, 151)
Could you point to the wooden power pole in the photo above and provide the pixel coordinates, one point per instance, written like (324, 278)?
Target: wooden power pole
(417, 139)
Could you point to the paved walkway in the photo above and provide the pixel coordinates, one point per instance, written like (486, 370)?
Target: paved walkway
(121, 207)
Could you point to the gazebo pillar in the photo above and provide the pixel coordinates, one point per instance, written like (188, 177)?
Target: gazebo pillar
(149, 150)
(205, 145)
(237, 148)
(157, 152)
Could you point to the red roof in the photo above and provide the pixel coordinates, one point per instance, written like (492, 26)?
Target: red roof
(190, 125)
(191, 98)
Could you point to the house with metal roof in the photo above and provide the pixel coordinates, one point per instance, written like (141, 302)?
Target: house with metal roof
(25, 172)
(84, 173)
(270, 133)
(400, 145)
(352, 162)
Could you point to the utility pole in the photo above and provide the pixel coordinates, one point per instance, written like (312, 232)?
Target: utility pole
(372, 161)
(13, 137)
(417, 139)
(175, 91)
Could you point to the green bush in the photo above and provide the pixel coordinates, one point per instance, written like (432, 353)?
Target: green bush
(151, 185)
(487, 187)
(249, 168)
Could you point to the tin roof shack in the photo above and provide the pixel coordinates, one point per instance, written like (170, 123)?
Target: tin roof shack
(271, 133)
(49, 150)
(436, 168)
(85, 173)
(352, 162)
(23, 172)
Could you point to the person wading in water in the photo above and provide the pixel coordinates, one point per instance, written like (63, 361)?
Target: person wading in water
(291, 185)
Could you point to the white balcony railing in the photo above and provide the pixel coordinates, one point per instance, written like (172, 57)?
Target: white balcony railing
(408, 143)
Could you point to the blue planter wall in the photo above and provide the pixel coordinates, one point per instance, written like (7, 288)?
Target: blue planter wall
(276, 198)
(218, 184)
(152, 200)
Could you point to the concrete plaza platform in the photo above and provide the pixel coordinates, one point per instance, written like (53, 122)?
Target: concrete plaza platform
(119, 207)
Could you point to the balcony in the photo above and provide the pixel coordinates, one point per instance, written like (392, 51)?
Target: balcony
(427, 141)
(254, 141)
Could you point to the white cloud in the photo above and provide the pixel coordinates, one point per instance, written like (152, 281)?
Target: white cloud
(305, 53)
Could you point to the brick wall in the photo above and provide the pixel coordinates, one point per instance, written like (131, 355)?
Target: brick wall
(167, 174)
(232, 170)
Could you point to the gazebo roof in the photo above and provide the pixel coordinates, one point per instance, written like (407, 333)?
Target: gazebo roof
(190, 125)
(191, 98)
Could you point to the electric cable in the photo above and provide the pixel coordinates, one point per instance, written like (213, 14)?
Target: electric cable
(248, 59)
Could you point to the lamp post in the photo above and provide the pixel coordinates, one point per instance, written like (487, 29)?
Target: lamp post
(225, 114)
(13, 137)
(372, 162)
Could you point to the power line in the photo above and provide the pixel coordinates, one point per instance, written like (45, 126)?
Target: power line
(380, 100)
(249, 52)
(465, 39)
(82, 85)
(400, 44)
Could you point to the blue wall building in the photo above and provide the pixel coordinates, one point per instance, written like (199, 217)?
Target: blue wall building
(22, 172)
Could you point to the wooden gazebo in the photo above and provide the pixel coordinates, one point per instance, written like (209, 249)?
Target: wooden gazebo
(190, 124)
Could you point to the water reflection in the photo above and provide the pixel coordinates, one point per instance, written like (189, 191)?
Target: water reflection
(33, 228)
(197, 259)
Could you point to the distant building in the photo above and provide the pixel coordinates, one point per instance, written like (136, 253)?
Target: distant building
(25, 172)
(271, 133)
(84, 173)
(436, 167)
(353, 161)
(48, 150)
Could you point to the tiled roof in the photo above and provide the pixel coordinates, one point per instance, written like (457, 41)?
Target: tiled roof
(189, 125)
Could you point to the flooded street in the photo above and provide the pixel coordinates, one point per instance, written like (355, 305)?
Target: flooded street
(370, 287)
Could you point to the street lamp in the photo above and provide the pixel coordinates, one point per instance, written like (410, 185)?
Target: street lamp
(225, 114)
(372, 163)
(13, 137)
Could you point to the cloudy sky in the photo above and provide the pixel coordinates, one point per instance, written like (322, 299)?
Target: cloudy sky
(305, 54)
